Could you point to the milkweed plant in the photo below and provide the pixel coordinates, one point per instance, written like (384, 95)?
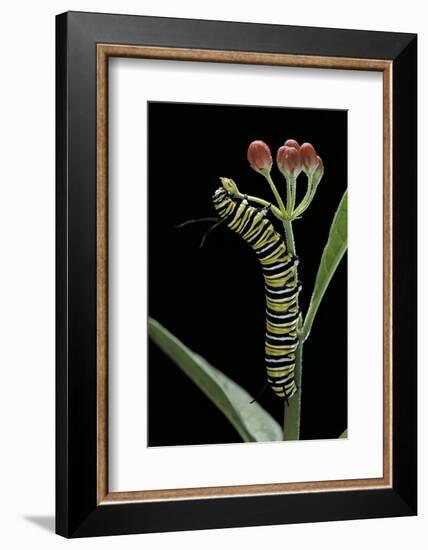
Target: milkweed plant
(287, 327)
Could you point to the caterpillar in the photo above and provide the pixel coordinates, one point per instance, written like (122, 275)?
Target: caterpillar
(281, 288)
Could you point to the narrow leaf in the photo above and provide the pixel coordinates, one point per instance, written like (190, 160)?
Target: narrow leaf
(344, 435)
(250, 420)
(334, 250)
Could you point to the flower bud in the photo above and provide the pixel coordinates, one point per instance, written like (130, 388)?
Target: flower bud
(259, 157)
(289, 161)
(310, 160)
(292, 143)
(319, 171)
(230, 186)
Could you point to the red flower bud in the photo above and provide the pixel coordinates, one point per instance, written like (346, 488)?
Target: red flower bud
(319, 171)
(292, 143)
(310, 160)
(288, 160)
(259, 157)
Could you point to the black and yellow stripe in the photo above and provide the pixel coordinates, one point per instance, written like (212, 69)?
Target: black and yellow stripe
(281, 289)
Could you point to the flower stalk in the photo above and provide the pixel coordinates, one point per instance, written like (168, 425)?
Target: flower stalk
(292, 411)
(277, 197)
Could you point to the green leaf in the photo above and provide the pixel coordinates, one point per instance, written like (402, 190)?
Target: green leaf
(250, 420)
(334, 250)
(344, 435)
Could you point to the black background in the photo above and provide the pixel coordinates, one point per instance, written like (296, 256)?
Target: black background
(212, 298)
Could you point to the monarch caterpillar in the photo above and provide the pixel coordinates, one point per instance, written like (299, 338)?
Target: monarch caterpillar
(281, 288)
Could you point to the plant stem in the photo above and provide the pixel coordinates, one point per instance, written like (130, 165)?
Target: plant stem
(292, 411)
(291, 195)
(307, 199)
(289, 237)
(277, 195)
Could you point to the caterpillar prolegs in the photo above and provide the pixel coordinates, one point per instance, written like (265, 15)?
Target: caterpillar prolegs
(281, 289)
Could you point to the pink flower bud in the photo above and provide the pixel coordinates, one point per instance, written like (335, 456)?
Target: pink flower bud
(259, 157)
(319, 171)
(292, 143)
(310, 160)
(288, 160)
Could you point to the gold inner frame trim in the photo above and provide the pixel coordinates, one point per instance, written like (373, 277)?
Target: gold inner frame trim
(104, 51)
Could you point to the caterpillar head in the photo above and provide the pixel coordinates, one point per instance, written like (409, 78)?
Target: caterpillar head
(230, 186)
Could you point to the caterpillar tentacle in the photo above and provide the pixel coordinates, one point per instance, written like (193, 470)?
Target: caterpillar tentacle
(210, 230)
(281, 291)
(217, 222)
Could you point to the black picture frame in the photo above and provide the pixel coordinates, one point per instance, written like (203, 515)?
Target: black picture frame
(78, 511)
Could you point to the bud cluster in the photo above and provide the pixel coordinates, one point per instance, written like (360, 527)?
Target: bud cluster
(291, 159)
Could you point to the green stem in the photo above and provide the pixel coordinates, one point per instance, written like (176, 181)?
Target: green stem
(305, 202)
(292, 411)
(307, 199)
(277, 195)
(291, 195)
(289, 238)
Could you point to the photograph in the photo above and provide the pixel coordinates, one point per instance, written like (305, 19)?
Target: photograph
(247, 273)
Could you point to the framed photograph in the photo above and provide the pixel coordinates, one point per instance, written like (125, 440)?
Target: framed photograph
(236, 274)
